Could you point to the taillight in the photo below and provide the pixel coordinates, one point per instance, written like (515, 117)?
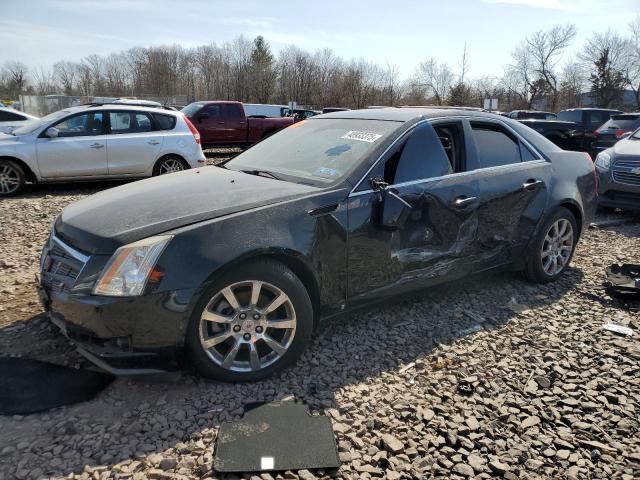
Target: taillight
(193, 129)
(619, 133)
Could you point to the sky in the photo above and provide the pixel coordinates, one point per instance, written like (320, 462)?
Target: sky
(401, 33)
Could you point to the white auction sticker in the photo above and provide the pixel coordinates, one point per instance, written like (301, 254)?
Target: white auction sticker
(362, 136)
(266, 463)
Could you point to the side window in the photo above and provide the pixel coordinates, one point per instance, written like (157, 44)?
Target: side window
(494, 146)
(83, 125)
(214, 111)
(164, 122)
(597, 118)
(120, 122)
(142, 123)
(232, 111)
(525, 154)
(420, 156)
(10, 116)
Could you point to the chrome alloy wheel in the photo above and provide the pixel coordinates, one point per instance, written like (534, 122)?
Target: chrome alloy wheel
(9, 179)
(170, 165)
(247, 326)
(557, 247)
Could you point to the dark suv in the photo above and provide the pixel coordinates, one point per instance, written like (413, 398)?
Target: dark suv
(613, 130)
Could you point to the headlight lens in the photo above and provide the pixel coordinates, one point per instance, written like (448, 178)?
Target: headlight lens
(603, 161)
(129, 269)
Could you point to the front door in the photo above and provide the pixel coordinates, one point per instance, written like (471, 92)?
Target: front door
(235, 124)
(79, 150)
(132, 143)
(420, 228)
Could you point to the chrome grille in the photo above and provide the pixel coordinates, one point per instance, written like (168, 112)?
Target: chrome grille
(60, 266)
(626, 177)
(627, 162)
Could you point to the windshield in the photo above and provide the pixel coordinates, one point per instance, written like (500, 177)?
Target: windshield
(570, 116)
(33, 125)
(191, 109)
(318, 151)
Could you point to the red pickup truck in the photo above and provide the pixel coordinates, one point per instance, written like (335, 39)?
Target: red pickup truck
(224, 124)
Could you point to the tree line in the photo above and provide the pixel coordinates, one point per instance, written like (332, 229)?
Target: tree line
(540, 73)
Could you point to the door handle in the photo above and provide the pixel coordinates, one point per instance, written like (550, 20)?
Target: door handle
(97, 145)
(532, 184)
(462, 201)
(221, 123)
(153, 142)
(242, 123)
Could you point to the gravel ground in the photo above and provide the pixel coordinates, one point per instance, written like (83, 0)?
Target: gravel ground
(554, 396)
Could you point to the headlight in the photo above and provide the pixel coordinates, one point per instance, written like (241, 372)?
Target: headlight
(129, 269)
(603, 160)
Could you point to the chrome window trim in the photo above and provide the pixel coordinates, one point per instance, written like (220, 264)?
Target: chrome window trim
(534, 150)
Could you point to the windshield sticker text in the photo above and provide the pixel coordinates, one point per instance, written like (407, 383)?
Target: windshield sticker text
(362, 136)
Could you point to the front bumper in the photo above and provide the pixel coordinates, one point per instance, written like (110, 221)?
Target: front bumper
(123, 336)
(616, 194)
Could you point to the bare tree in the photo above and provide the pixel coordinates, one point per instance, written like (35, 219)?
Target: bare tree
(634, 59)
(43, 81)
(436, 77)
(16, 74)
(65, 74)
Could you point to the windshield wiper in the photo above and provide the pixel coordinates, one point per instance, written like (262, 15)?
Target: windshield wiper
(261, 173)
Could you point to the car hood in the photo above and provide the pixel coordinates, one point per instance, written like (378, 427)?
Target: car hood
(627, 147)
(101, 223)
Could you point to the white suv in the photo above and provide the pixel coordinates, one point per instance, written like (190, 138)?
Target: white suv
(98, 141)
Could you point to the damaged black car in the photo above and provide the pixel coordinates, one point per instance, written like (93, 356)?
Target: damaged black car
(235, 266)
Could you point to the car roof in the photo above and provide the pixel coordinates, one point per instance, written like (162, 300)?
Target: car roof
(405, 114)
(587, 108)
(119, 106)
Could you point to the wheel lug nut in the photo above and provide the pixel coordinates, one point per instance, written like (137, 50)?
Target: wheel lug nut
(243, 316)
(236, 328)
(256, 316)
(247, 336)
(258, 329)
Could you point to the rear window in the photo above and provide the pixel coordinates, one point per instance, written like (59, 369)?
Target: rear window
(622, 122)
(164, 122)
(10, 116)
(495, 147)
(570, 116)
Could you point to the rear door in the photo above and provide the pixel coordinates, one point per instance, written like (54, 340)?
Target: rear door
(513, 185)
(422, 230)
(133, 143)
(235, 124)
(79, 150)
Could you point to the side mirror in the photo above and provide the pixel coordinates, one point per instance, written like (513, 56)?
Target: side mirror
(202, 116)
(393, 208)
(52, 132)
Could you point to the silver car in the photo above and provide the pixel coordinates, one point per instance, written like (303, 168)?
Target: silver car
(98, 141)
(618, 170)
(11, 119)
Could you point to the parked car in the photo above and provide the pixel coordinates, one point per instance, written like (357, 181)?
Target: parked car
(574, 129)
(618, 170)
(94, 142)
(264, 110)
(226, 124)
(11, 119)
(304, 113)
(522, 114)
(613, 130)
(258, 252)
(333, 109)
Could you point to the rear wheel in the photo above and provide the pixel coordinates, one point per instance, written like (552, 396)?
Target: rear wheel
(170, 164)
(553, 247)
(12, 178)
(250, 323)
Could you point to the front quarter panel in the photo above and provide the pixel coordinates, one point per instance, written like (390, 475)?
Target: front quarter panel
(200, 253)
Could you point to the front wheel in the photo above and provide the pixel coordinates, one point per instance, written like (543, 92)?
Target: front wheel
(250, 323)
(553, 247)
(12, 178)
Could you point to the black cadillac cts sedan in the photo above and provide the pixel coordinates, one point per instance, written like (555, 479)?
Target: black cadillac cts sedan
(236, 265)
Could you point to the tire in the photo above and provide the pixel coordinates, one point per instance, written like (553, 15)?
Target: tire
(12, 178)
(562, 246)
(228, 332)
(169, 164)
